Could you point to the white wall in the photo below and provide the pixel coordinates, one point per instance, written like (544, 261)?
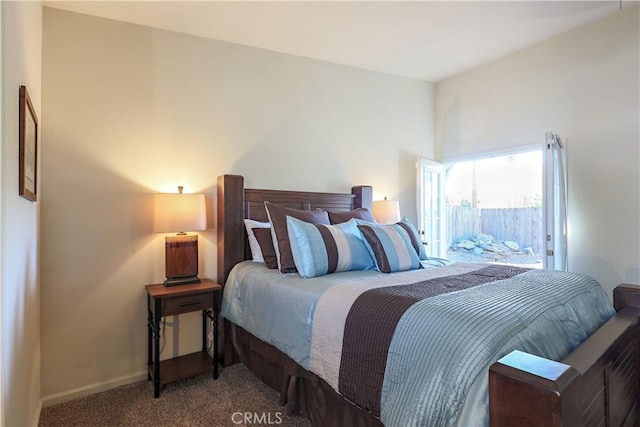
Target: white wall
(583, 85)
(21, 356)
(131, 111)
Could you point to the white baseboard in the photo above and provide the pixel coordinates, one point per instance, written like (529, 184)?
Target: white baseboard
(38, 411)
(90, 389)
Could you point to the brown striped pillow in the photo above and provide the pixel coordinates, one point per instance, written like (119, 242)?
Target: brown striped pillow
(278, 219)
(360, 213)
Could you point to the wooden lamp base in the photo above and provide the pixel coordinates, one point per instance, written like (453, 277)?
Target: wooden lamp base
(181, 260)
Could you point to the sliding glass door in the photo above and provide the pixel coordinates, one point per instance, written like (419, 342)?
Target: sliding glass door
(505, 208)
(430, 201)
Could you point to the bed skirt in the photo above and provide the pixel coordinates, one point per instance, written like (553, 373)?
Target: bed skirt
(303, 393)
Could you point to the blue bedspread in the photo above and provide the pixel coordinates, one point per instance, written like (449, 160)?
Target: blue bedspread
(438, 359)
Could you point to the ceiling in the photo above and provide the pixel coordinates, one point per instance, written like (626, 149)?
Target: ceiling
(427, 40)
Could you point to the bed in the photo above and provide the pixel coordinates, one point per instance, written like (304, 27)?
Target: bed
(596, 384)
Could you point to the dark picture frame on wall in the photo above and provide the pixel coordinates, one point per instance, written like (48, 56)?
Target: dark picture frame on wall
(28, 151)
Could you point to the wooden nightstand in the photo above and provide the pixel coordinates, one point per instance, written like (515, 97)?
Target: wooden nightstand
(168, 301)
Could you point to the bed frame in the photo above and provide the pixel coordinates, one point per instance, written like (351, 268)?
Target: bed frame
(596, 385)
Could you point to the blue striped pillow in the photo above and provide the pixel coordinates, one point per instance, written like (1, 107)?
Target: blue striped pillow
(320, 249)
(391, 247)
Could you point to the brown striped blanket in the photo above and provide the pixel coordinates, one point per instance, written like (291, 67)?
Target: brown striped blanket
(414, 348)
(409, 353)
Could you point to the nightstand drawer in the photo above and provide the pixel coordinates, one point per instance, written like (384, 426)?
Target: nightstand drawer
(186, 303)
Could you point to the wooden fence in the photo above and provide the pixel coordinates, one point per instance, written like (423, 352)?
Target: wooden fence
(521, 225)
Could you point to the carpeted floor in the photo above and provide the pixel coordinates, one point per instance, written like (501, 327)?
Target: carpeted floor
(197, 401)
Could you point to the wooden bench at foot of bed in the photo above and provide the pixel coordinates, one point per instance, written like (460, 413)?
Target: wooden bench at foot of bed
(596, 385)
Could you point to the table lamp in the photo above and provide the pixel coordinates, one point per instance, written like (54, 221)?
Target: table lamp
(386, 211)
(180, 213)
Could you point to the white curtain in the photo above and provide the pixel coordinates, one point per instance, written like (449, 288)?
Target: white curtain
(555, 199)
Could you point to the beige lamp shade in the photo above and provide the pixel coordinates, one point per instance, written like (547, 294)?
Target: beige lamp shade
(179, 213)
(386, 211)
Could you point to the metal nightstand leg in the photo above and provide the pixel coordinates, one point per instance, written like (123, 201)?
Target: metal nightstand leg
(149, 337)
(156, 349)
(215, 344)
(213, 315)
(217, 296)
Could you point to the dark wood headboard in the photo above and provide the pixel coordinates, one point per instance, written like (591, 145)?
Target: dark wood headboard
(235, 203)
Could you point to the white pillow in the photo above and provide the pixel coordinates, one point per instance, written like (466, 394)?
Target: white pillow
(256, 252)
